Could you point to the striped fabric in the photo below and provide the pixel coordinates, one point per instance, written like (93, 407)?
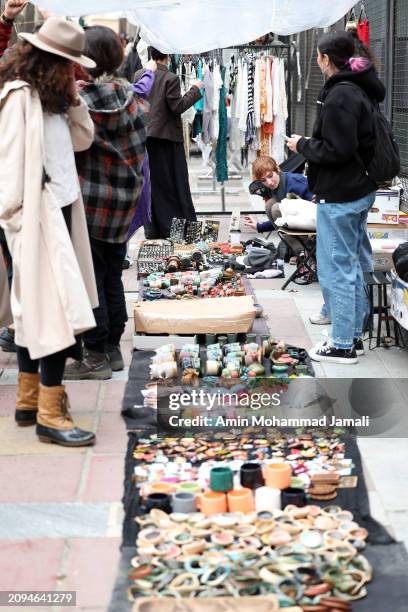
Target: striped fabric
(250, 127)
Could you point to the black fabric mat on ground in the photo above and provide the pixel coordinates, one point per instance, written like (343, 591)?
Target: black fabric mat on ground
(388, 591)
(139, 377)
(355, 500)
(119, 601)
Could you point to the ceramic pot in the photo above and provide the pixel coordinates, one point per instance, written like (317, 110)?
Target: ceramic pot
(241, 500)
(278, 475)
(251, 476)
(267, 498)
(221, 479)
(212, 502)
(294, 497)
(183, 502)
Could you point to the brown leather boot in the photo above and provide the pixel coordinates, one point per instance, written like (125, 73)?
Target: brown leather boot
(54, 423)
(27, 399)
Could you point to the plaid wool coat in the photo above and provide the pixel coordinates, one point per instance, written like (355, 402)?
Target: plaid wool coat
(110, 171)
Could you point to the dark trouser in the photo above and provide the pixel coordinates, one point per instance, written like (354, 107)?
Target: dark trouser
(4, 252)
(52, 366)
(111, 315)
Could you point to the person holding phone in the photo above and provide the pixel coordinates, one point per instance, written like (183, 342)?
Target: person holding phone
(341, 147)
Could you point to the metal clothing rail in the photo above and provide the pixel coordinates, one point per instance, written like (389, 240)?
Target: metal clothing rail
(276, 44)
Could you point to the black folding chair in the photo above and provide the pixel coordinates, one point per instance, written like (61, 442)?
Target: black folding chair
(305, 272)
(381, 309)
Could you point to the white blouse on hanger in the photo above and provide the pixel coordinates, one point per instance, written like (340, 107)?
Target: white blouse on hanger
(269, 90)
(257, 94)
(280, 107)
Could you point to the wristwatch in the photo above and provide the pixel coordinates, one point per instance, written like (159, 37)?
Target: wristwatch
(6, 19)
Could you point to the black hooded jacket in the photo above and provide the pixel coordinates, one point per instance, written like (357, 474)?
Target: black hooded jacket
(343, 140)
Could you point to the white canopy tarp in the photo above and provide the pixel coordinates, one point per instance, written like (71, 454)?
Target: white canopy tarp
(195, 26)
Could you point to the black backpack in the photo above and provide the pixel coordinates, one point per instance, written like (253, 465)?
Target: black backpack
(385, 163)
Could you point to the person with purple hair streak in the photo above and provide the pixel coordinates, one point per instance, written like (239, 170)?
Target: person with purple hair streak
(338, 153)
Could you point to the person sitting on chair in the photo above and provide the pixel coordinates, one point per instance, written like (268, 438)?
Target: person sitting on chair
(277, 185)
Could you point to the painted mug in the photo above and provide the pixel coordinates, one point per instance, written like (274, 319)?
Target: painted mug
(212, 502)
(161, 487)
(278, 475)
(184, 502)
(268, 499)
(241, 500)
(161, 501)
(251, 475)
(294, 497)
(221, 479)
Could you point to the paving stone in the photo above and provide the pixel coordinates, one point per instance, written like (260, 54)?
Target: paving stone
(72, 520)
(7, 360)
(111, 434)
(42, 479)
(7, 400)
(18, 440)
(30, 565)
(105, 478)
(378, 512)
(127, 350)
(122, 375)
(92, 571)
(114, 391)
(83, 395)
(9, 375)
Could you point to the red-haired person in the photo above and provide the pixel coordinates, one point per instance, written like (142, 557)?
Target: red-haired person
(278, 184)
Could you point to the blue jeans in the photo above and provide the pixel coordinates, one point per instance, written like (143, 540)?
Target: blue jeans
(343, 253)
(366, 263)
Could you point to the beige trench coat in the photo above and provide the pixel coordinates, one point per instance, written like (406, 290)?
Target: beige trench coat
(54, 287)
(5, 312)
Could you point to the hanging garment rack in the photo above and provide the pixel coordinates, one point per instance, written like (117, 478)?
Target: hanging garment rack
(275, 45)
(284, 48)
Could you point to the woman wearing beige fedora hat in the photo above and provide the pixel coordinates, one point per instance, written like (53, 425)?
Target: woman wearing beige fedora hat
(42, 122)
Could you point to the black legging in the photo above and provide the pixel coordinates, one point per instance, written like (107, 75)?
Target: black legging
(51, 367)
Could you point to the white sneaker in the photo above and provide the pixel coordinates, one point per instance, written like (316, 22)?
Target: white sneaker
(319, 319)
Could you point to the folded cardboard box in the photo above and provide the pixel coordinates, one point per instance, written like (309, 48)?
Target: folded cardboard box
(218, 315)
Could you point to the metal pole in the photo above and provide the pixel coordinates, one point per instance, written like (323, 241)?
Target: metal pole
(223, 197)
(389, 57)
(289, 91)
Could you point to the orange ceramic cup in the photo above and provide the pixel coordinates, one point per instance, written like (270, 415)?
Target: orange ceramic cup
(278, 475)
(241, 500)
(162, 487)
(211, 502)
